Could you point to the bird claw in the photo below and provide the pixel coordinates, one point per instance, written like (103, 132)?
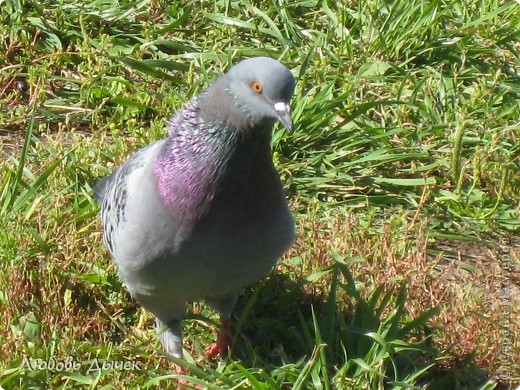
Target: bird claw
(181, 383)
(179, 370)
(223, 343)
(213, 350)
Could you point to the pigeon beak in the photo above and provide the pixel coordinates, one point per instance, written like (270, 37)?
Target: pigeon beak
(283, 110)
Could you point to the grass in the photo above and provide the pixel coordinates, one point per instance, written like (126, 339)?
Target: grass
(402, 174)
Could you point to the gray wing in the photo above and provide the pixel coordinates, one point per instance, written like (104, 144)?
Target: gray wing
(112, 192)
(101, 186)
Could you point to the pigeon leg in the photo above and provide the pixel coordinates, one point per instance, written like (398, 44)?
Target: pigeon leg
(223, 342)
(170, 335)
(171, 339)
(224, 305)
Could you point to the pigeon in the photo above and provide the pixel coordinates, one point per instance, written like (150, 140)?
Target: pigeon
(202, 213)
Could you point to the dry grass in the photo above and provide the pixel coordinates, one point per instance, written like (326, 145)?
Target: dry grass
(475, 285)
(378, 108)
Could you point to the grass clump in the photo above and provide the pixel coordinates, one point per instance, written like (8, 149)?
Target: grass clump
(402, 173)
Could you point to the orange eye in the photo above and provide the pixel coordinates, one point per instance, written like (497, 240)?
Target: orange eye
(257, 87)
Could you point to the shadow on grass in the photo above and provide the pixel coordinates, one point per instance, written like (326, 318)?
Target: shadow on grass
(342, 340)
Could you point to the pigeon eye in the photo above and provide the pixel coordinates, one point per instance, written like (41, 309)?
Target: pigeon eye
(257, 87)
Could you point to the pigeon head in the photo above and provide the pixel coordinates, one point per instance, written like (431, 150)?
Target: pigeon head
(255, 92)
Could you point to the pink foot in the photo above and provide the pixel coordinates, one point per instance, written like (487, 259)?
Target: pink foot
(179, 370)
(223, 342)
(181, 383)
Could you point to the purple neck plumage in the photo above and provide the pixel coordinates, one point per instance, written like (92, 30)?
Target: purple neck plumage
(197, 157)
